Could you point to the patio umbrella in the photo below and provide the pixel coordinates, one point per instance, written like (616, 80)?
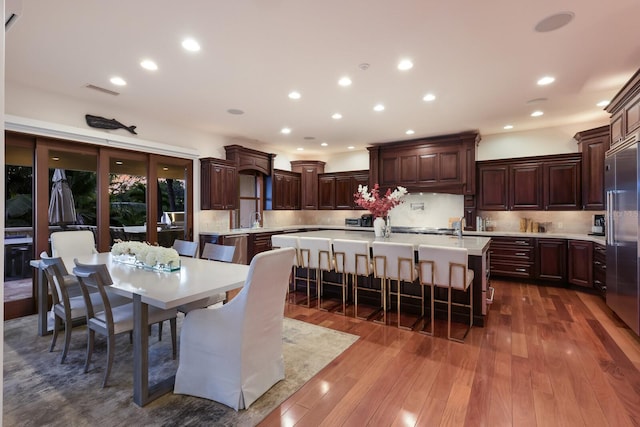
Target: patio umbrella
(62, 209)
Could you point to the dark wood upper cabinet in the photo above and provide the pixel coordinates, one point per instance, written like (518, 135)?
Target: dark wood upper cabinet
(593, 144)
(218, 184)
(309, 171)
(530, 183)
(444, 163)
(285, 190)
(326, 192)
(336, 190)
(524, 186)
(247, 159)
(493, 190)
(562, 183)
(625, 110)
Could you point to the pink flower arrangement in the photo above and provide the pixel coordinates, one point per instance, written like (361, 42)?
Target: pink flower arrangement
(379, 206)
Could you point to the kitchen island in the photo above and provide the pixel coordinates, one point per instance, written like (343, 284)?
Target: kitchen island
(476, 245)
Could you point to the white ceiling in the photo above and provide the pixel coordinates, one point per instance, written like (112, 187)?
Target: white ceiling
(480, 58)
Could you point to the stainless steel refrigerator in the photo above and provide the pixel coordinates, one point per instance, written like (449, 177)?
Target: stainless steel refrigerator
(622, 186)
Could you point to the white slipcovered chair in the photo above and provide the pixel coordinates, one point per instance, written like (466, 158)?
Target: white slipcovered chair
(72, 243)
(233, 354)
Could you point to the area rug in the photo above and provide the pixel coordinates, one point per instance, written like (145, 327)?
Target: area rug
(39, 391)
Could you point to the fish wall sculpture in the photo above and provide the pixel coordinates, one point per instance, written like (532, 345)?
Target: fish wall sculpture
(103, 123)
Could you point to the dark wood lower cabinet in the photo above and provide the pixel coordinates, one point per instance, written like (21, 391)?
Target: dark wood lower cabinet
(574, 262)
(581, 263)
(552, 260)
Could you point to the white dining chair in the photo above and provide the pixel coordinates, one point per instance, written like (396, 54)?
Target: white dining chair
(447, 268)
(186, 248)
(233, 353)
(112, 320)
(212, 252)
(72, 243)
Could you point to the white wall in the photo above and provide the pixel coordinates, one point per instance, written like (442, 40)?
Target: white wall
(538, 142)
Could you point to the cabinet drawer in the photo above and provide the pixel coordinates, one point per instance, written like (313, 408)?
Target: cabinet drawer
(523, 254)
(512, 241)
(499, 268)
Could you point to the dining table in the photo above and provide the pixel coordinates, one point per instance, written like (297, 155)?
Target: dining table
(196, 279)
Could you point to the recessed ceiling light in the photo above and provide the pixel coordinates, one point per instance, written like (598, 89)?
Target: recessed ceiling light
(294, 95)
(536, 100)
(507, 127)
(118, 81)
(537, 113)
(546, 80)
(405, 64)
(148, 64)
(336, 116)
(300, 149)
(286, 131)
(344, 81)
(554, 22)
(429, 97)
(364, 66)
(603, 103)
(235, 111)
(324, 144)
(378, 107)
(351, 147)
(309, 138)
(191, 45)
(119, 162)
(410, 132)
(55, 158)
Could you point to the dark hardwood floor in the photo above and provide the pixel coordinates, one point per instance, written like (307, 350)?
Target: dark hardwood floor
(547, 356)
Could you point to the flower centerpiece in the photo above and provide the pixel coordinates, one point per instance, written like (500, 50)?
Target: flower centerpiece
(378, 205)
(146, 255)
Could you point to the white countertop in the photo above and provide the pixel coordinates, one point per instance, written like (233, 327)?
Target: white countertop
(476, 245)
(569, 236)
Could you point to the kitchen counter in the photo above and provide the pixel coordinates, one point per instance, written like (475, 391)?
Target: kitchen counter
(568, 236)
(476, 245)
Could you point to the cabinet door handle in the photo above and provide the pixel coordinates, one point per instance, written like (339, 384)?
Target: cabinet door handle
(520, 254)
(520, 242)
(597, 263)
(597, 282)
(522, 270)
(604, 267)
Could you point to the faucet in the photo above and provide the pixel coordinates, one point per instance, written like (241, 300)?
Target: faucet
(458, 227)
(256, 219)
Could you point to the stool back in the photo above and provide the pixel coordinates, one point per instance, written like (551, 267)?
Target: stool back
(449, 268)
(315, 252)
(352, 257)
(394, 261)
(283, 241)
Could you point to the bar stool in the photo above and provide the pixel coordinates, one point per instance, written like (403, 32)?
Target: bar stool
(279, 241)
(353, 258)
(394, 261)
(447, 268)
(315, 254)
